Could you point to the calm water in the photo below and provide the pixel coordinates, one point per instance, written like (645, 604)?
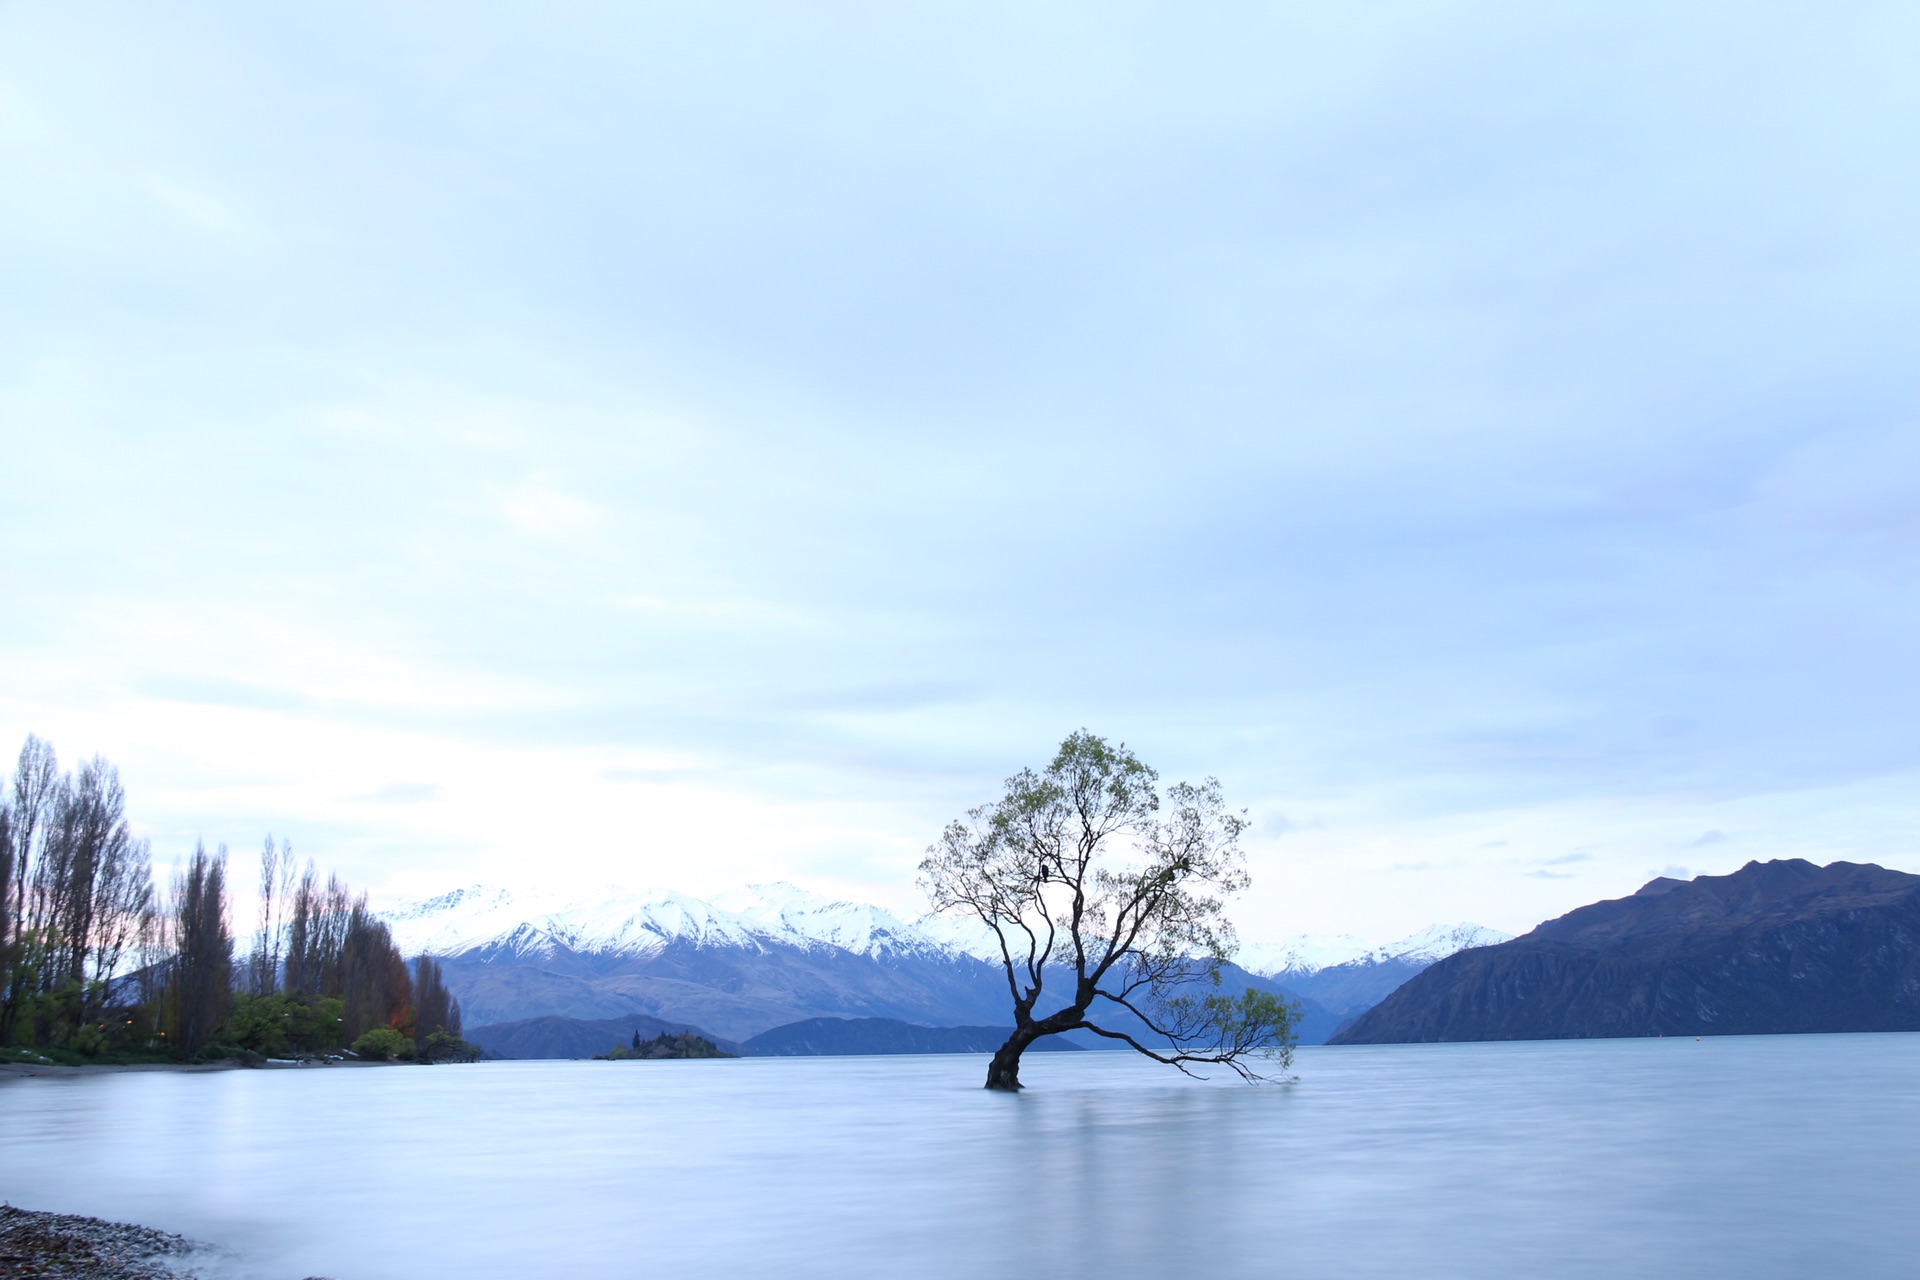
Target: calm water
(1761, 1156)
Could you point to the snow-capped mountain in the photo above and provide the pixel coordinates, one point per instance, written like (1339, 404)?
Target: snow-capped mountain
(620, 922)
(1347, 977)
(1310, 953)
(735, 965)
(772, 954)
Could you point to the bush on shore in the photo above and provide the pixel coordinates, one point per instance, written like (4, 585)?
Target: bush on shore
(383, 1044)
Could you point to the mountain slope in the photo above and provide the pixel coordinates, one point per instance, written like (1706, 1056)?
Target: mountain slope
(1775, 947)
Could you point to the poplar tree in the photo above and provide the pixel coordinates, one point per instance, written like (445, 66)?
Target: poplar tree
(34, 783)
(200, 986)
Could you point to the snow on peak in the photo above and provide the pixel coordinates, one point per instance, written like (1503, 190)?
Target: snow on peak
(1438, 941)
(1310, 954)
(619, 921)
(793, 915)
(1307, 953)
(622, 922)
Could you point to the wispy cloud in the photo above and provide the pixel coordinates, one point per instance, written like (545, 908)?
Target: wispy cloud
(1178, 388)
(405, 793)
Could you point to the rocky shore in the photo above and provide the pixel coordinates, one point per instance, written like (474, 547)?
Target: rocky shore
(66, 1245)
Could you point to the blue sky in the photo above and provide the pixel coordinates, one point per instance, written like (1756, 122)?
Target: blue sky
(685, 445)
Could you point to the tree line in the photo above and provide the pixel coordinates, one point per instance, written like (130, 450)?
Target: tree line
(97, 960)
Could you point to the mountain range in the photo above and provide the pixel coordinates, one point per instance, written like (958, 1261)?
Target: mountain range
(770, 956)
(1775, 947)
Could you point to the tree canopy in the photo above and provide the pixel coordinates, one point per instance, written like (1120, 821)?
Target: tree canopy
(1107, 898)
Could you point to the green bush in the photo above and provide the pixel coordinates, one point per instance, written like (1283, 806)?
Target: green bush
(283, 1023)
(258, 1023)
(383, 1044)
(326, 1026)
(441, 1047)
(88, 1041)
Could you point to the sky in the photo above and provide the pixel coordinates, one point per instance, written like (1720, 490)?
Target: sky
(688, 445)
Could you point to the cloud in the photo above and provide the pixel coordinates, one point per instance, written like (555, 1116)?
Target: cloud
(209, 690)
(405, 793)
(540, 507)
(1237, 399)
(1706, 838)
(902, 696)
(1566, 859)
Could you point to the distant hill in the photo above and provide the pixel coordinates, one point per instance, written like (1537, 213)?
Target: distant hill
(851, 1036)
(557, 1037)
(1782, 946)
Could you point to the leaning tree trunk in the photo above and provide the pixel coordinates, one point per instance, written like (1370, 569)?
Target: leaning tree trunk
(1003, 1072)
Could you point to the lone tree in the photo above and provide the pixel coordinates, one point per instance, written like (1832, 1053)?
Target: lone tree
(1091, 880)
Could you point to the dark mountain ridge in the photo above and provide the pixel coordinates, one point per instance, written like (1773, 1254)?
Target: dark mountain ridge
(863, 1036)
(737, 992)
(734, 991)
(1775, 947)
(557, 1037)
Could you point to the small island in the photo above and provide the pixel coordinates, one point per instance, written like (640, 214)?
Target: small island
(681, 1045)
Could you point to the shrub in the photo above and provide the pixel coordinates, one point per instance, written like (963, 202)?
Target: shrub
(88, 1041)
(441, 1047)
(258, 1023)
(383, 1044)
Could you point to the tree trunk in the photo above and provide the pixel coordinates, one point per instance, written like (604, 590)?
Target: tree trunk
(1003, 1072)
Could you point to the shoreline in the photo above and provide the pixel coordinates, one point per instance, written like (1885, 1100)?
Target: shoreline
(229, 1064)
(38, 1243)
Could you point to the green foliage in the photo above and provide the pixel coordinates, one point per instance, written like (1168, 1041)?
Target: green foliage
(329, 1023)
(276, 1025)
(383, 1044)
(442, 1047)
(51, 1017)
(257, 1023)
(88, 1041)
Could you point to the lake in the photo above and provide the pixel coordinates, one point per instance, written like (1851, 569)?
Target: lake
(1752, 1156)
